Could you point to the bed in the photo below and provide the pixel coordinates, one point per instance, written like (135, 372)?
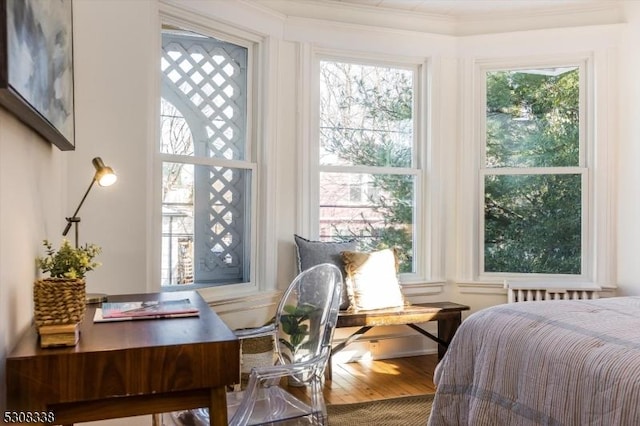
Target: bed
(573, 362)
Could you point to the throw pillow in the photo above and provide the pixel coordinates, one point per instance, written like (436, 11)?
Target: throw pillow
(312, 253)
(372, 279)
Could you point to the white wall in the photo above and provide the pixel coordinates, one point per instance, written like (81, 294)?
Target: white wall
(628, 195)
(116, 45)
(32, 192)
(115, 57)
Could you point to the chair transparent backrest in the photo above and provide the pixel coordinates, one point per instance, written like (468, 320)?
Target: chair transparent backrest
(307, 315)
(305, 320)
(304, 325)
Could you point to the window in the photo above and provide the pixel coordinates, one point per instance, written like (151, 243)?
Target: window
(208, 176)
(534, 175)
(368, 165)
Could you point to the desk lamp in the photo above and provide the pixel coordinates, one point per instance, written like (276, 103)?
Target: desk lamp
(105, 176)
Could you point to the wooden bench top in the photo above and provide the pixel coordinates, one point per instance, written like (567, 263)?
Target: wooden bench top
(411, 314)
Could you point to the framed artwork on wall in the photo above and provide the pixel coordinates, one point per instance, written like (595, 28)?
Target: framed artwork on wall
(36, 66)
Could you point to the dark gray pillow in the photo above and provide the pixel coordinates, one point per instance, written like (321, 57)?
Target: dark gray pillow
(312, 253)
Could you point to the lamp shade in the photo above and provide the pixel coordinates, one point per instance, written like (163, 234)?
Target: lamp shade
(105, 176)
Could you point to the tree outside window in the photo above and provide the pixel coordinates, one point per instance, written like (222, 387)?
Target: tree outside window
(533, 176)
(368, 171)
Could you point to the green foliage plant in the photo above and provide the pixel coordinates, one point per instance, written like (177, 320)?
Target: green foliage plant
(68, 261)
(533, 222)
(295, 324)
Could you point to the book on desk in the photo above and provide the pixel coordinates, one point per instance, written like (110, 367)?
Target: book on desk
(122, 311)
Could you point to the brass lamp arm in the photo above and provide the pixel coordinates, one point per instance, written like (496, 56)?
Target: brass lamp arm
(74, 218)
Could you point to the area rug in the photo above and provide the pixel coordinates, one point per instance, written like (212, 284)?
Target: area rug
(402, 411)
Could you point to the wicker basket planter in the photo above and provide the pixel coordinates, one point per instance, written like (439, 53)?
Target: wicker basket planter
(59, 301)
(255, 352)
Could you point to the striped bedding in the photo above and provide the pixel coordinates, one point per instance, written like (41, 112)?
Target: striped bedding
(574, 362)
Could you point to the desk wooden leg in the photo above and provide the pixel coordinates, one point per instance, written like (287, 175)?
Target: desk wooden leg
(447, 327)
(218, 407)
(156, 419)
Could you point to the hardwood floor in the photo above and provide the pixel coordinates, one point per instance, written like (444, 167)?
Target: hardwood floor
(370, 380)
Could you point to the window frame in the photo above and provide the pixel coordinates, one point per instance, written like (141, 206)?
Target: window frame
(263, 263)
(584, 168)
(421, 234)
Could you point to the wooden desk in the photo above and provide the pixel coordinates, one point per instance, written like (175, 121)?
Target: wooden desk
(448, 315)
(121, 369)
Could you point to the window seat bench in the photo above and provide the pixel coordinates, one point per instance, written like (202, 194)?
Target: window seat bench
(447, 314)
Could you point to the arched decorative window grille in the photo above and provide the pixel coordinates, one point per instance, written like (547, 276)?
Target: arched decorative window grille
(207, 169)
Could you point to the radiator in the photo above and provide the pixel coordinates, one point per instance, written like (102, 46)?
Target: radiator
(521, 291)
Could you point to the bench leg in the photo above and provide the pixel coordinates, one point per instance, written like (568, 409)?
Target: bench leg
(424, 332)
(341, 346)
(447, 327)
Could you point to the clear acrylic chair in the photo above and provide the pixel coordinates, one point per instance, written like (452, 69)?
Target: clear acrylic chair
(303, 328)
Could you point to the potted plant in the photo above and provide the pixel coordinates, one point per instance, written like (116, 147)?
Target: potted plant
(295, 323)
(61, 297)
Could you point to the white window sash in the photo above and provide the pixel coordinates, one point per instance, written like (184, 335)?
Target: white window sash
(585, 142)
(418, 158)
(262, 256)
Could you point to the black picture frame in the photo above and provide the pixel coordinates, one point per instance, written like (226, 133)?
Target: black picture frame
(36, 66)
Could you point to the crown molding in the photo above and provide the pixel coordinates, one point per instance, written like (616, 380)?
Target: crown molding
(461, 24)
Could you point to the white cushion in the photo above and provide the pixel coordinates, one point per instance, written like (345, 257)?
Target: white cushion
(372, 279)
